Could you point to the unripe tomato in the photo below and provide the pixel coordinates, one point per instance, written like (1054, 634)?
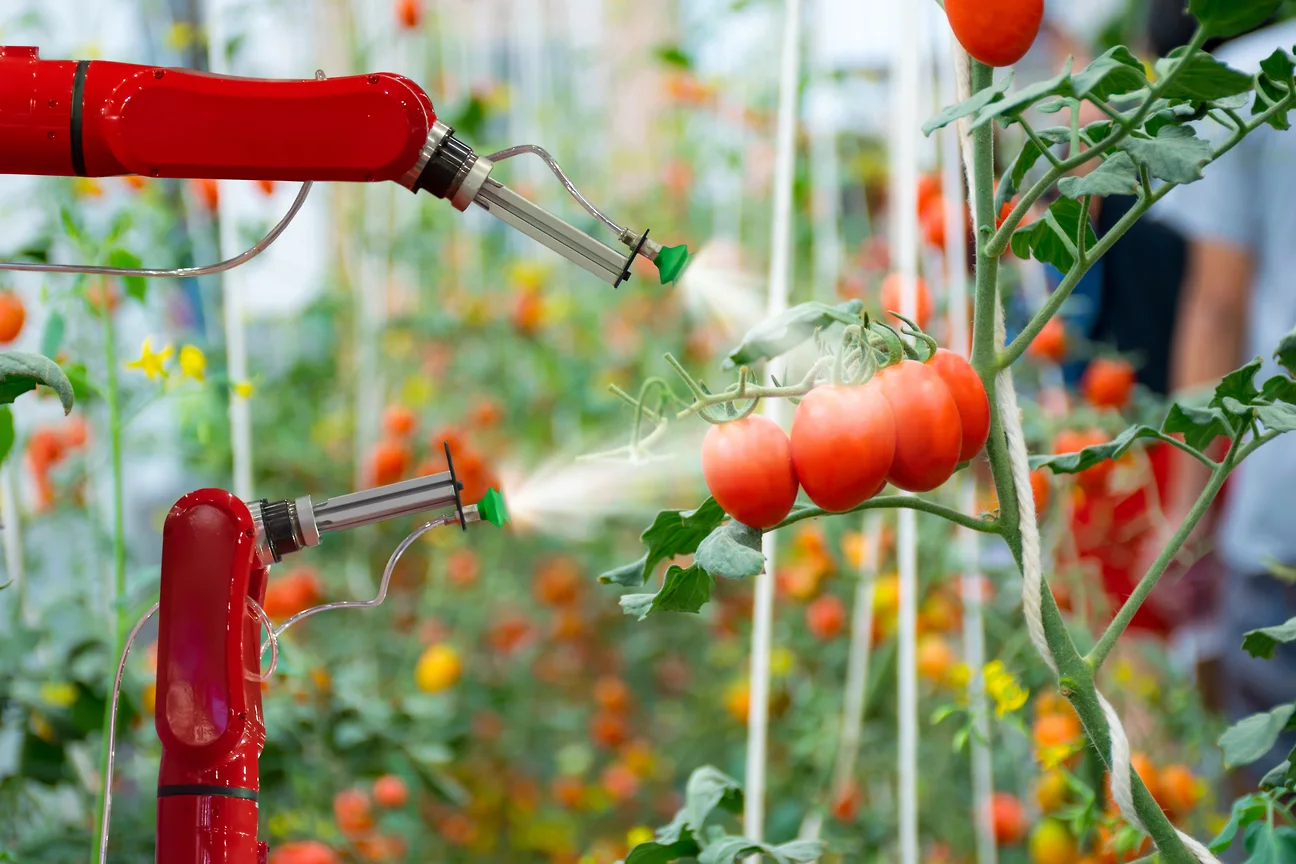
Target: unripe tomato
(969, 394)
(996, 32)
(1052, 791)
(1008, 817)
(843, 443)
(1050, 343)
(1051, 843)
(1092, 480)
(1108, 382)
(892, 298)
(747, 465)
(929, 433)
(826, 617)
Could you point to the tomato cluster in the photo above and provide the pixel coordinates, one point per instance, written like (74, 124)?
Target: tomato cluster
(910, 425)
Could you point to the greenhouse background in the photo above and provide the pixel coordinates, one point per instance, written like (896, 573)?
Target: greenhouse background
(871, 685)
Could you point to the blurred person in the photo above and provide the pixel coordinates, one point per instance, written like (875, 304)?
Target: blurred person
(1238, 300)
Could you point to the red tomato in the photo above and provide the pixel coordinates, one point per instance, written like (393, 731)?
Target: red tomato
(409, 13)
(1108, 382)
(390, 791)
(929, 191)
(266, 186)
(929, 434)
(846, 803)
(209, 193)
(747, 465)
(1093, 479)
(1040, 489)
(303, 852)
(1008, 817)
(843, 442)
(399, 421)
(891, 298)
(932, 223)
(1051, 343)
(826, 617)
(996, 32)
(973, 404)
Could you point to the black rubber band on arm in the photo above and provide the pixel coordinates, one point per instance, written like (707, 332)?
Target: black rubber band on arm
(206, 789)
(78, 102)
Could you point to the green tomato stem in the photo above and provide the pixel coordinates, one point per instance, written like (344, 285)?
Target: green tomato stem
(911, 502)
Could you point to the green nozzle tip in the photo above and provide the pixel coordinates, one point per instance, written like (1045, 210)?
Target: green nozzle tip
(492, 509)
(670, 262)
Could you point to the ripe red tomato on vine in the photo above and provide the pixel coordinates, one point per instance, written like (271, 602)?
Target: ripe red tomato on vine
(969, 395)
(1050, 343)
(747, 465)
(929, 433)
(995, 32)
(1108, 382)
(843, 443)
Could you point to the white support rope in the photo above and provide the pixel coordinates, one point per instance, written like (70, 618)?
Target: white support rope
(780, 274)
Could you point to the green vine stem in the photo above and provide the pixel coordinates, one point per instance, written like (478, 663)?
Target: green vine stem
(1074, 673)
(112, 396)
(976, 523)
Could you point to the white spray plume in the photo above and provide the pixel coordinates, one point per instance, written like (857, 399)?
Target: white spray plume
(717, 288)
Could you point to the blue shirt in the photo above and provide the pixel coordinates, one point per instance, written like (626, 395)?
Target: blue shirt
(1248, 198)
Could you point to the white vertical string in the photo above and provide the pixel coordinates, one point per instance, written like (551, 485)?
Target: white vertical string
(905, 90)
(11, 533)
(231, 284)
(825, 184)
(780, 274)
(969, 541)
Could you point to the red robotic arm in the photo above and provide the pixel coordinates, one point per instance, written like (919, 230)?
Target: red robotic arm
(96, 118)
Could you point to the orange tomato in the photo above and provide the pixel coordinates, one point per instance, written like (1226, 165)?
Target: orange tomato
(389, 462)
(462, 568)
(352, 813)
(266, 186)
(1108, 382)
(826, 617)
(891, 298)
(929, 191)
(932, 223)
(1008, 817)
(558, 582)
(568, 792)
(935, 658)
(409, 13)
(939, 613)
(134, 181)
(302, 852)
(1180, 790)
(381, 847)
(399, 421)
(486, 413)
(101, 296)
(609, 730)
(996, 32)
(1040, 489)
(507, 634)
(75, 432)
(1055, 730)
(12, 316)
(208, 193)
(45, 448)
(619, 782)
(737, 701)
(293, 592)
(612, 694)
(390, 791)
(1050, 343)
(846, 802)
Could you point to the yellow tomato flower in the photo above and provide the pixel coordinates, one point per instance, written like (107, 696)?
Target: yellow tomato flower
(1003, 688)
(640, 834)
(193, 362)
(150, 362)
(1054, 756)
(959, 676)
(60, 694)
(243, 389)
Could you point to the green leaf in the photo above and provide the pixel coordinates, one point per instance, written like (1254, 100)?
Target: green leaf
(1201, 78)
(1277, 418)
(1199, 426)
(1247, 740)
(1059, 85)
(82, 389)
(1270, 92)
(1176, 154)
(656, 853)
(673, 532)
(1277, 776)
(968, 106)
(136, 286)
(21, 371)
(783, 332)
(1238, 385)
(1270, 845)
(1114, 73)
(1041, 238)
(1117, 175)
(1013, 177)
(732, 550)
(1278, 66)
(1279, 388)
(1229, 17)
(1082, 460)
(685, 590)
(1286, 352)
(52, 335)
(6, 432)
(728, 850)
(673, 55)
(1261, 643)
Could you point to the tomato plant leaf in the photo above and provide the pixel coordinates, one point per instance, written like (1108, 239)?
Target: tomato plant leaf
(1200, 78)
(21, 371)
(1042, 239)
(728, 850)
(657, 853)
(673, 532)
(1082, 460)
(968, 106)
(1286, 352)
(6, 432)
(1238, 385)
(52, 335)
(136, 286)
(785, 331)
(1261, 643)
(685, 590)
(1252, 737)
(1278, 776)
(1279, 388)
(707, 789)
(1277, 418)
(1230, 17)
(1059, 85)
(1176, 154)
(1268, 844)
(1114, 73)
(1273, 83)
(732, 550)
(1199, 426)
(1246, 810)
(1117, 175)
(82, 389)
